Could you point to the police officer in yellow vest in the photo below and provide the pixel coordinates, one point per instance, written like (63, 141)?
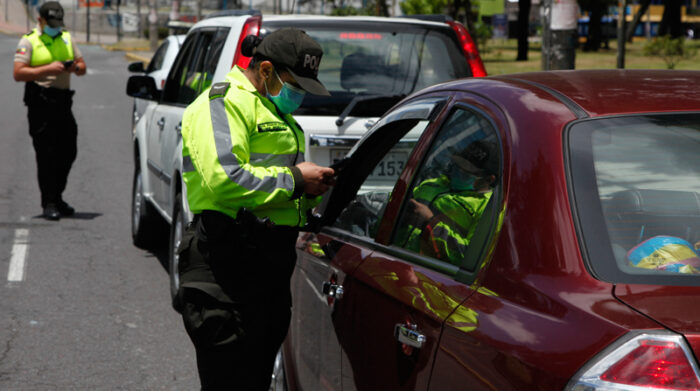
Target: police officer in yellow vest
(250, 190)
(45, 59)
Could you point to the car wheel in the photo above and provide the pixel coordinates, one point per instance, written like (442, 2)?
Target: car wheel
(144, 222)
(279, 380)
(177, 228)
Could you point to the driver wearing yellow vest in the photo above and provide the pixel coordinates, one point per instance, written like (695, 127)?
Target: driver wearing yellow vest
(250, 190)
(446, 209)
(45, 59)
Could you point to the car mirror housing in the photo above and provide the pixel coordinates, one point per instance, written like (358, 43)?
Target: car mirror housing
(137, 67)
(143, 87)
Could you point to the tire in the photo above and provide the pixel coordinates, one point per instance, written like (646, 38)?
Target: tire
(279, 380)
(145, 224)
(177, 228)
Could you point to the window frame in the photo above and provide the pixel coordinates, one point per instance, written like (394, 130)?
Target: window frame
(172, 88)
(486, 229)
(158, 58)
(591, 226)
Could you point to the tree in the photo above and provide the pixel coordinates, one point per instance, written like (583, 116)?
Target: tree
(671, 50)
(596, 10)
(523, 29)
(671, 19)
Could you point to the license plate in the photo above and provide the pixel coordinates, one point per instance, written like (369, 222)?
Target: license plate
(389, 168)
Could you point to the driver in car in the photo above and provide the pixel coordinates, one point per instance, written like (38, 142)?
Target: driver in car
(445, 210)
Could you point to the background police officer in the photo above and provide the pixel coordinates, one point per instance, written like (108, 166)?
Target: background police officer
(44, 59)
(250, 190)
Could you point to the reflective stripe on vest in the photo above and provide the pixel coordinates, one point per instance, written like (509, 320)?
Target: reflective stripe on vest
(228, 160)
(46, 50)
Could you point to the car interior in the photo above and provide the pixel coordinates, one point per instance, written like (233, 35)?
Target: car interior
(636, 215)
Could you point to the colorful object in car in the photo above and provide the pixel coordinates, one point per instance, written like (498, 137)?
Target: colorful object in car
(665, 253)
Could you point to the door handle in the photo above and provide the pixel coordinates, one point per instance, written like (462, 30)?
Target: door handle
(409, 335)
(178, 128)
(161, 123)
(335, 291)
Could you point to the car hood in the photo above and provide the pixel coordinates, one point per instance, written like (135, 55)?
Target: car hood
(675, 307)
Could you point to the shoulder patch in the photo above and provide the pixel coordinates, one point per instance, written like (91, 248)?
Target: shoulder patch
(21, 50)
(218, 89)
(272, 127)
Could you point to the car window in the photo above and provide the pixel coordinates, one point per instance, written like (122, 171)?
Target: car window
(363, 214)
(195, 66)
(637, 190)
(156, 62)
(451, 191)
(384, 60)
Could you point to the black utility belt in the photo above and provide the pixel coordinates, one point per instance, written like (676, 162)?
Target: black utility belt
(52, 92)
(214, 226)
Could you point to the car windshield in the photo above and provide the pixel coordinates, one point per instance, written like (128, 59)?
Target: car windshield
(637, 191)
(382, 62)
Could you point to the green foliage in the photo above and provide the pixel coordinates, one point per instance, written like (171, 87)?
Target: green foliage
(416, 7)
(671, 50)
(482, 33)
(370, 9)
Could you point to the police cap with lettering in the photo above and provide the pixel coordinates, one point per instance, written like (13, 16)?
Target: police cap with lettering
(52, 12)
(297, 51)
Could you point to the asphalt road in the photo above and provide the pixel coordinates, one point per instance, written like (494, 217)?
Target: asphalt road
(80, 307)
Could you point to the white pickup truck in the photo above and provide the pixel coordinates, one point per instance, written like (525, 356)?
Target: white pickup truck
(369, 65)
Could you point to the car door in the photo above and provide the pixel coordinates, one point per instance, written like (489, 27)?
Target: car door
(326, 259)
(396, 297)
(182, 87)
(196, 77)
(162, 118)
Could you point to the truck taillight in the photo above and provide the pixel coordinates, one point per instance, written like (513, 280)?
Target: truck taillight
(656, 360)
(469, 49)
(251, 27)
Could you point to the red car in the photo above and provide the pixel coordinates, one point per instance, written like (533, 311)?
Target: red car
(535, 231)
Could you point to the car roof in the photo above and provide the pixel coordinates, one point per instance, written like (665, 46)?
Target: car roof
(347, 19)
(592, 93)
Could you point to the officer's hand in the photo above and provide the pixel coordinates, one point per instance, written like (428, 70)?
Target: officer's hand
(54, 68)
(317, 179)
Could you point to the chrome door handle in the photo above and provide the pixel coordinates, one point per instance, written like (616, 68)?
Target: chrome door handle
(409, 335)
(161, 123)
(333, 290)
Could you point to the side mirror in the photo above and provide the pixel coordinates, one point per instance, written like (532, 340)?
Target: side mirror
(137, 67)
(143, 87)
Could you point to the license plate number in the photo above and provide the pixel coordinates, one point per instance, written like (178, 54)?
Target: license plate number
(389, 167)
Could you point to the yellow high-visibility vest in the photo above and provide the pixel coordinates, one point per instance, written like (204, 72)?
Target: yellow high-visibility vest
(46, 49)
(239, 152)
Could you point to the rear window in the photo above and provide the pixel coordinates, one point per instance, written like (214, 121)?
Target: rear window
(636, 185)
(381, 63)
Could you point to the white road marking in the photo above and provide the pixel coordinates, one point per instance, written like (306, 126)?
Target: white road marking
(313, 288)
(18, 255)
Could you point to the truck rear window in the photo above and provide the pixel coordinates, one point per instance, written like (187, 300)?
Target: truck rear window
(636, 185)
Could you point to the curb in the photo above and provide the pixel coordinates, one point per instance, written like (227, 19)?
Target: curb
(137, 57)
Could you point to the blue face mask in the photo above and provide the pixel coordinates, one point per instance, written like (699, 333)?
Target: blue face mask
(461, 180)
(289, 98)
(52, 31)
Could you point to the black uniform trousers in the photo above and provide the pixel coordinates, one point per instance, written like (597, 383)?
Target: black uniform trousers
(54, 135)
(236, 299)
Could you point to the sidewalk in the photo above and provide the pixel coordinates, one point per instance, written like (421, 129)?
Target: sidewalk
(14, 21)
